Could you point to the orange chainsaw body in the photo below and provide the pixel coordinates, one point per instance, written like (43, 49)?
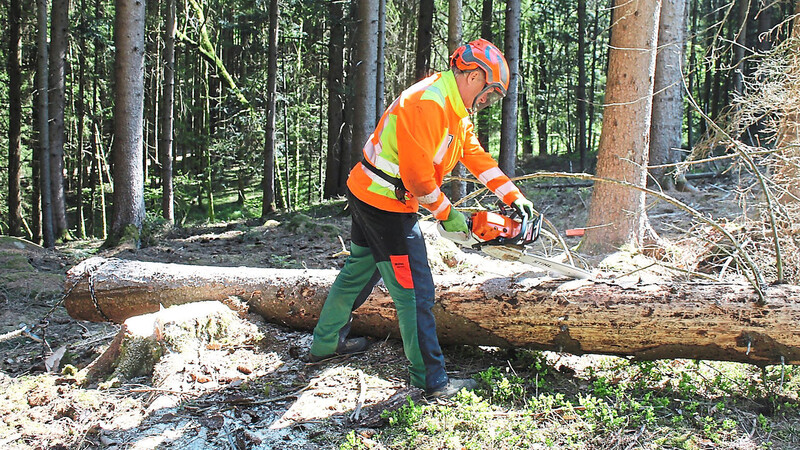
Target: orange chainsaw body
(488, 225)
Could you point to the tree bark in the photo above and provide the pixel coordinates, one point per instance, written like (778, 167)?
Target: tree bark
(424, 37)
(693, 76)
(167, 115)
(542, 105)
(596, 35)
(380, 62)
(128, 117)
(80, 206)
(42, 123)
(617, 214)
(268, 180)
(647, 321)
(454, 25)
(525, 114)
(580, 88)
(458, 188)
(59, 35)
(507, 158)
(789, 128)
(716, 80)
(334, 184)
(14, 119)
(365, 77)
(487, 14)
(765, 23)
(740, 47)
(98, 208)
(525, 118)
(667, 118)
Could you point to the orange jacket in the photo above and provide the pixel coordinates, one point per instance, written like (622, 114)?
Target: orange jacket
(419, 139)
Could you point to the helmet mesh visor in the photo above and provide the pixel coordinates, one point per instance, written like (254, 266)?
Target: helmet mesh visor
(487, 97)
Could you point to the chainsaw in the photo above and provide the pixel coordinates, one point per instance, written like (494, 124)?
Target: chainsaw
(501, 236)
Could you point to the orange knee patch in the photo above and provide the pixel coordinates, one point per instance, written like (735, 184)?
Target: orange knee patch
(402, 270)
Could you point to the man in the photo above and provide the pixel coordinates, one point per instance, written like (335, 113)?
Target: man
(419, 139)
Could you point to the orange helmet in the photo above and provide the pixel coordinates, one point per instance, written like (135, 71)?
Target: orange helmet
(482, 54)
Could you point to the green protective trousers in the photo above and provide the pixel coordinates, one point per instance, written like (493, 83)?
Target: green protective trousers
(390, 246)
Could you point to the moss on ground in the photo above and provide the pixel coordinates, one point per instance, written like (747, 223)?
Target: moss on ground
(14, 263)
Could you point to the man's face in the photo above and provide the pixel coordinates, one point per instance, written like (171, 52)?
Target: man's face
(476, 81)
(478, 96)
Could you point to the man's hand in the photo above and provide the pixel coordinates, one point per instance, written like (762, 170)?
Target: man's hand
(523, 207)
(456, 222)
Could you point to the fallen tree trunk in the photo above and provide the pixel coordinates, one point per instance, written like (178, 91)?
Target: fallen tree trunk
(719, 321)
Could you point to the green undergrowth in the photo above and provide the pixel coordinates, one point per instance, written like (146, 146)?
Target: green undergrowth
(541, 400)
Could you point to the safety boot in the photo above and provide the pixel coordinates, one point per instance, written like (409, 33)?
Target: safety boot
(452, 388)
(345, 347)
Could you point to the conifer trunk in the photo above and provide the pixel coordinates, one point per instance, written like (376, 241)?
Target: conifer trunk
(43, 124)
(487, 14)
(268, 172)
(666, 127)
(365, 77)
(424, 39)
(14, 119)
(59, 34)
(617, 214)
(458, 188)
(334, 184)
(508, 129)
(81, 109)
(128, 117)
(167, 115)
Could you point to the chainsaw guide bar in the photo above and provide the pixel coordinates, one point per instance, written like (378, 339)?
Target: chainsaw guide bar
(502, 237)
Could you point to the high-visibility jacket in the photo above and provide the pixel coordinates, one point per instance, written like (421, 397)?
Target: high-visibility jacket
(419, 139)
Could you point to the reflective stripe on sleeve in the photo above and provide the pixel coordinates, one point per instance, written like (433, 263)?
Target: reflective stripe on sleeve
(427, 199)
(441, 208)
(505, 189)
(490, 174)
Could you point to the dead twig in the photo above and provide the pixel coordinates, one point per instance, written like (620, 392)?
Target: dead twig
(11, 335)
(294, 394)
(636, 438)
(159, 391)
(356, 415)
(23, 331)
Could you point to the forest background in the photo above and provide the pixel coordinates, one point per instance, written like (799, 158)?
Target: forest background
(265, 105)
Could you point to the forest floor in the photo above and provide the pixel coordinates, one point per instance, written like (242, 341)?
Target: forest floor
(257, 393)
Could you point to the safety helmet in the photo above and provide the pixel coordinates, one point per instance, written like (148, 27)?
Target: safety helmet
(482, 54)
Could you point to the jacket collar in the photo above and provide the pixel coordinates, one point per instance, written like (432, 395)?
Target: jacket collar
(456, 102)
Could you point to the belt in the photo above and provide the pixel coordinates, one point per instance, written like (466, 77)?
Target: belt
(400, 190)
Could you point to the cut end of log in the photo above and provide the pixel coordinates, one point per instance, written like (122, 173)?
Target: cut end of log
(143, 340)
